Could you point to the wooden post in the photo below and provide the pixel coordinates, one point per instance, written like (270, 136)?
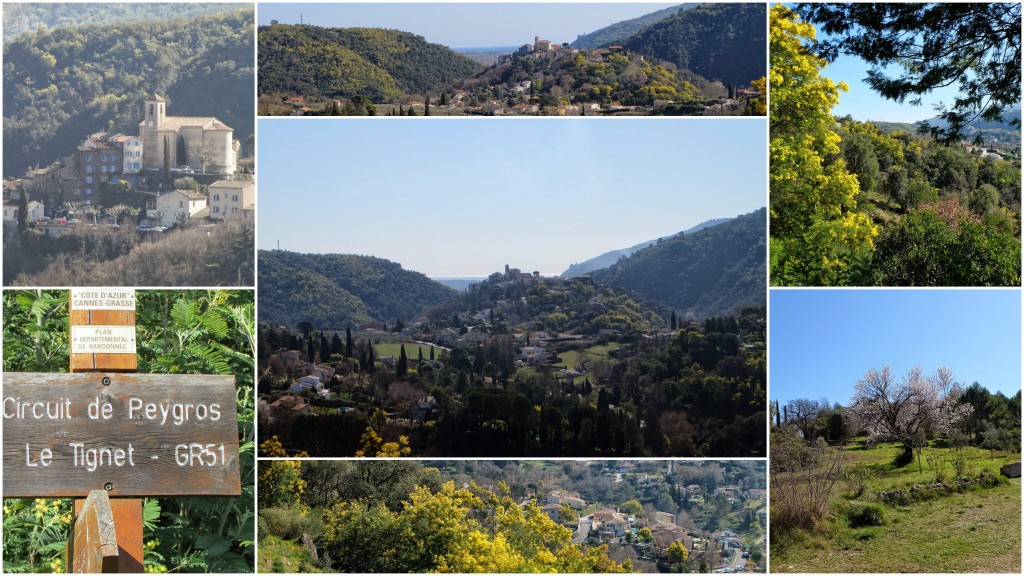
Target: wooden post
(114, 436)
(93, 542)
(95, 313)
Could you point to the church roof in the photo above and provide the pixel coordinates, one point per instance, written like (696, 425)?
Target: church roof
(158, 98)
(175, 123)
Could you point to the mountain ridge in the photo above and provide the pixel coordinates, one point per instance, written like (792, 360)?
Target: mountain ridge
(608, 258)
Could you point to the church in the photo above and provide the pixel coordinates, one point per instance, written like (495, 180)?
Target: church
(202, 142)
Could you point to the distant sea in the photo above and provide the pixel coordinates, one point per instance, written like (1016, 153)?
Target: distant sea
(461, 283)
(486, 55)
(477, 49)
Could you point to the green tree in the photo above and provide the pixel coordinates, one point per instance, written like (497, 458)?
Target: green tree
(22, 212)
(402, 366)
(817, 236)
(914, 48)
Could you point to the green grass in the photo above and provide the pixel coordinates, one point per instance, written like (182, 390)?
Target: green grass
(284, 556)
(394, 349)
(974, 531)
(598, 352)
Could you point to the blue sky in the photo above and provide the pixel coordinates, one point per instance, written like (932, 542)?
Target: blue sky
(465, 25)
(822, 341)
(863, 103)
(464, 196)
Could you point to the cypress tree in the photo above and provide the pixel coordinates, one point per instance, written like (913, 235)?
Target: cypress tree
(431, 351)
(348, 343)
(674, 325)
(403, 362)
(22, 213)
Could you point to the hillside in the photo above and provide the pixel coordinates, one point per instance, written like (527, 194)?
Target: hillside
(345, 62)
(607, 78)
(608, 258)
(617, 32)
(1005, 133)
(715, 271)
(723, 42)
(337, 290)
(64, 84)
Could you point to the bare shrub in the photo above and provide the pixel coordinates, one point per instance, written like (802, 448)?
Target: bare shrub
(803, 477)
(216, 255)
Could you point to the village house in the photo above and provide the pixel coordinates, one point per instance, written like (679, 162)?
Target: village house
(177, 206)
(610, 523)
(232, 199)
(308, 383)
(552, 511)
(663, 518)
(35, 210)
(572, 499)
(288, 405)
(666, 534)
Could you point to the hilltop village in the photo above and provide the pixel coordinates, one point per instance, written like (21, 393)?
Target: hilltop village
(549, 79)
(540, 365)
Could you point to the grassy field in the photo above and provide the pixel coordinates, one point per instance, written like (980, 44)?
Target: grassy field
(598, 352)
(978, 530)
(394, 349)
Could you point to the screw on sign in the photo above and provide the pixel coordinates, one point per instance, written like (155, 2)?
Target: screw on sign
(106, 436)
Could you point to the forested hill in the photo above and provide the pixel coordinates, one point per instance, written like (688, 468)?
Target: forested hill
(717, 41)
(63, 84)
(337, 290)
(345, 62)
(608, 258)
(716, 271)
(621, 30)
(29, 17)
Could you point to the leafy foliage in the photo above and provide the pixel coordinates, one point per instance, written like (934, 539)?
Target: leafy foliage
(187, 332)
(718, 270)
(62, 84)
(723, 42)
(338, 290)
(345, 62)
(817, 235)
(932, 45)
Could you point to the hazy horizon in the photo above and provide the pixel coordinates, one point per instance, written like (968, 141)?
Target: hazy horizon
(459, 198)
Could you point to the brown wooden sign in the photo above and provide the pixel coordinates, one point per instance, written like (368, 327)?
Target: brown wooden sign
(129, 434)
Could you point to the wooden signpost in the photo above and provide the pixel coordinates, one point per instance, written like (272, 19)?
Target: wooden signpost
(102, 431)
